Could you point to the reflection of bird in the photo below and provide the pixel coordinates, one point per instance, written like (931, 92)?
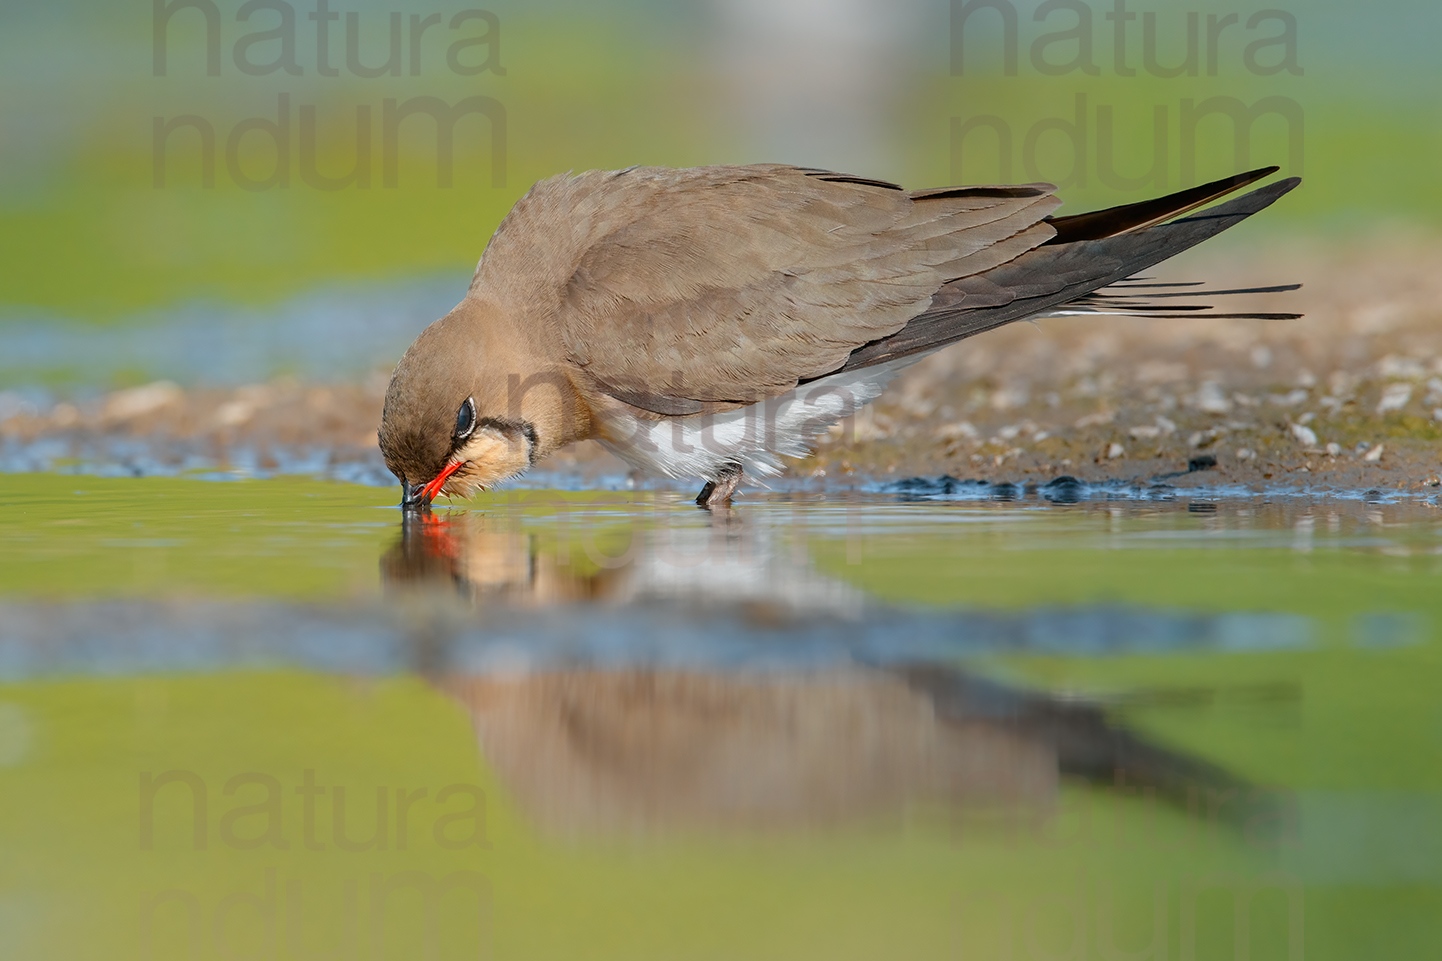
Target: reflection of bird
(638, 746)
(483, 559)
(648, 749)
(723, 563)
(703, 322)
(596, 750)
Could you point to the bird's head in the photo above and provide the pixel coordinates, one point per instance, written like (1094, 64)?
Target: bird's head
(448, 425)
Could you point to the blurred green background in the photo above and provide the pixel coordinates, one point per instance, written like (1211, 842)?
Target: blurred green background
(105, 220)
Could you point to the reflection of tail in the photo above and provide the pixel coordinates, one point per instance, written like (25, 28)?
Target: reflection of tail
(1090, 746)
(1089, 252)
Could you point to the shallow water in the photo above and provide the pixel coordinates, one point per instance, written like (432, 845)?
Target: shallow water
(271, 718)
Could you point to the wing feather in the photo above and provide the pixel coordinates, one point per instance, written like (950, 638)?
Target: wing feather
(677, 289)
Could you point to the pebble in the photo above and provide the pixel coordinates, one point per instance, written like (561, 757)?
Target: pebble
(1095, 420)
(1374, 455)
(1298, 396)
(1304, 434)
(139, 401)
(961, 430)
(1115, 450)
(64, 415)
(1395, 397)
(1210, 398)
(233, 413)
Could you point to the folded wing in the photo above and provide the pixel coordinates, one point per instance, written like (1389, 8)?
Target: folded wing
(721, 287)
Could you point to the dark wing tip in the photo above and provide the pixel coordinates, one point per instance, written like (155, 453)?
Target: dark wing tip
(1258, 174)
(1112, 221)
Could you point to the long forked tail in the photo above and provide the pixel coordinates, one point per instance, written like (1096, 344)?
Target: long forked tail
(1090, 252)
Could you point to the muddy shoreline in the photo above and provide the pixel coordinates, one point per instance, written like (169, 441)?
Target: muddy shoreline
(1347, 398)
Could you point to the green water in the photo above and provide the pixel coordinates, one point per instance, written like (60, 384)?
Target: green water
(516, 822)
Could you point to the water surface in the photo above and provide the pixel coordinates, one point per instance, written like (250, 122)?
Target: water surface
(273, 718)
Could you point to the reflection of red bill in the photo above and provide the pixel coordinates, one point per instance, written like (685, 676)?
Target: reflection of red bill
(430, 491)
(438, 538)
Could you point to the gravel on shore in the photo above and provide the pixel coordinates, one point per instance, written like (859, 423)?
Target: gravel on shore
(1349, 397)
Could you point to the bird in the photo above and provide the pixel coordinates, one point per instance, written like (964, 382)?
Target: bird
(707, 322)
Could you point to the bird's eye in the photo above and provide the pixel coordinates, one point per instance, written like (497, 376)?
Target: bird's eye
(466, 419)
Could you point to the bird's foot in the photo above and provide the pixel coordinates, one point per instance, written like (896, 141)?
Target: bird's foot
(717, 492)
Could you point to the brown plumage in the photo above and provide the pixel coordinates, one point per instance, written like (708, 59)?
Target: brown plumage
(706, 321)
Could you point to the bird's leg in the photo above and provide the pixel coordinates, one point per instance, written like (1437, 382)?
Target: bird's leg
(718, 491)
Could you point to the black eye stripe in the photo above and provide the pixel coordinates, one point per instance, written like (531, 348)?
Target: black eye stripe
(507, 426)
